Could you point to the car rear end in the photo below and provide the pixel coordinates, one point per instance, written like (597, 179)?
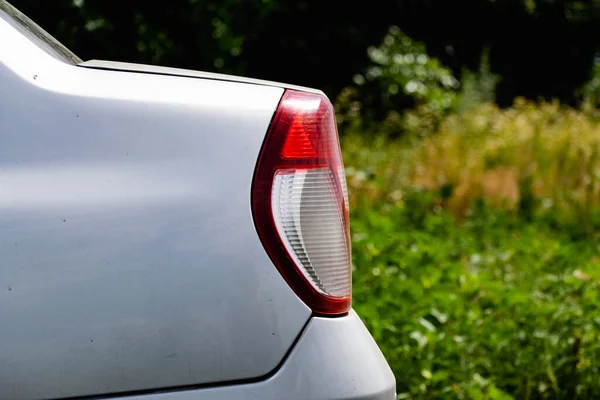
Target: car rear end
(171, 234)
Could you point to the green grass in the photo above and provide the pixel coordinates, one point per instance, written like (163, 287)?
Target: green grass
(492, 300)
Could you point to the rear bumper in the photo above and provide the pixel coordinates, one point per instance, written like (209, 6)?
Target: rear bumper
(335, 358)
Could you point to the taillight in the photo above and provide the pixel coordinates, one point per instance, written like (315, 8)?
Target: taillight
(300, 202)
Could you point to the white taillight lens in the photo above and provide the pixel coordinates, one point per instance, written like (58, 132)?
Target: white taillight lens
(342, 177)
(300, 202)
(309, 216)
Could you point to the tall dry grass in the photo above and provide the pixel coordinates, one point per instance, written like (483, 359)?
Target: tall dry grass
(542, 156)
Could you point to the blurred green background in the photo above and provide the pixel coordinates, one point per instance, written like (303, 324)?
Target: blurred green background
(471, 139)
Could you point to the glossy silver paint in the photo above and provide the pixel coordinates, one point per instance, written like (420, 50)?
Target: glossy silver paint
(128, 255)
(335, 359)
(153, 69)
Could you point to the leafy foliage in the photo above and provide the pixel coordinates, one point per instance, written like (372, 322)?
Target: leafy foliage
(488, 308)
(302, 42)
(591, 90)
(478, 87)
(537, 160)
(403, 73)
(489, 300)
(538, 47)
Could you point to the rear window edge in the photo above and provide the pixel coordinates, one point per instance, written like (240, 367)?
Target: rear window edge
(36, 34)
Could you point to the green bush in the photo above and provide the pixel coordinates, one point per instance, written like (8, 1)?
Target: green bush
(404, 90)
(477, 87)
(401, 75)
(591, 90)
(489, 308)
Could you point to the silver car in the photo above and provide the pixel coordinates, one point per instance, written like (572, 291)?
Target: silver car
(171, 235)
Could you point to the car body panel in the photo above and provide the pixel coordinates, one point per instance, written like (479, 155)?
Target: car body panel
(334, 359)
(128, 254)
(153, 69)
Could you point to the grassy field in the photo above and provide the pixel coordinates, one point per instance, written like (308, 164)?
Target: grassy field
(477, 253)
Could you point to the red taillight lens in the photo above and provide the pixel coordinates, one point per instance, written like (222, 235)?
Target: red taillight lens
(300, 202)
